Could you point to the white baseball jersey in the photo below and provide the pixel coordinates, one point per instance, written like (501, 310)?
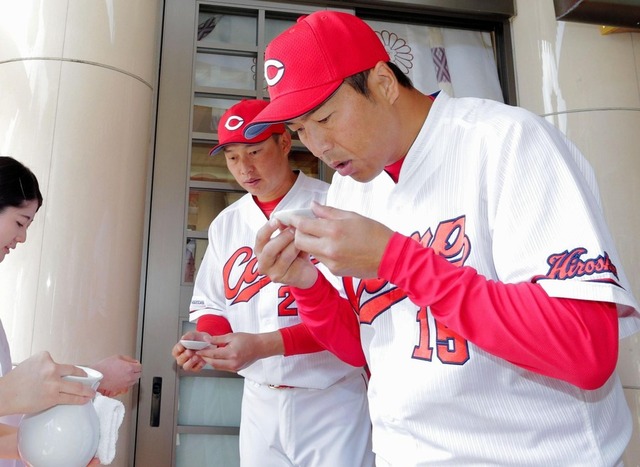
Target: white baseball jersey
(504, 192)
(228, 284)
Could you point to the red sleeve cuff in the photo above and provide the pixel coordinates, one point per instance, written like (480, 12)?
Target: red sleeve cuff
(392, 251)
(298, 340)
(331, 320)
(214, 325)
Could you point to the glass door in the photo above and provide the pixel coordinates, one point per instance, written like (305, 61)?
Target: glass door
(228, 50)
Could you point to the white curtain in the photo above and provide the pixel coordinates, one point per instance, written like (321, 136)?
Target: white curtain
(460, 62)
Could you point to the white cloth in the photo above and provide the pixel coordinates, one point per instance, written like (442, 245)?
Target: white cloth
(469, 58)
(110, 413)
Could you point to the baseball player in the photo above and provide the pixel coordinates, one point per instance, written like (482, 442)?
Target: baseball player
(301, 405)
(473, 249)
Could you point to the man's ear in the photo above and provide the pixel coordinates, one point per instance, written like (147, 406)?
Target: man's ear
(384, 82)
(285, 141)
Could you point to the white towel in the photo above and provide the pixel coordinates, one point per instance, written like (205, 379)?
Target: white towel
(110, 413)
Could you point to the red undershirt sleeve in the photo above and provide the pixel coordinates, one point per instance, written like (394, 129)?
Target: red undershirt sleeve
(568, 339)
(214, 325)
(298, 340)
(331, 320)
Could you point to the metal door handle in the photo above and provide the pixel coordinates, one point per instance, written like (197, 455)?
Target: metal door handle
(156, 396)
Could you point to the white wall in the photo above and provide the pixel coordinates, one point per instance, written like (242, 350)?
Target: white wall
(77, 85)
(589, 86)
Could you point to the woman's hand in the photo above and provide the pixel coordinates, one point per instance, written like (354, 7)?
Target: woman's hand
(36, 384)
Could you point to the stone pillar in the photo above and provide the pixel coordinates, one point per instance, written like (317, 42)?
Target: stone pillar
(77, 87)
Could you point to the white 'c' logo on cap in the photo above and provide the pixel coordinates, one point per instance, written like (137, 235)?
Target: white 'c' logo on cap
(233, 123)
(277, 74)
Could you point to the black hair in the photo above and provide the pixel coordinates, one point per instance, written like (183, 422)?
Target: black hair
(17, 184)
(359, 83)
(359, 80)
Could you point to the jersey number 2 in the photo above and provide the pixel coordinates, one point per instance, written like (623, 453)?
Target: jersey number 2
(284, 306)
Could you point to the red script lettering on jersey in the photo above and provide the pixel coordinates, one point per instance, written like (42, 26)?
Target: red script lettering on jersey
(449, 241)
(568, 265)
(248, 283)
(242, 281)
(374, 297)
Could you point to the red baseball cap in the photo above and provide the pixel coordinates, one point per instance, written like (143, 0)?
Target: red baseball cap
(306, 63)
(235, 119)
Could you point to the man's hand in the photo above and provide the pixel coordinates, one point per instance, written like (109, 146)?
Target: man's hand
(189, 359)
(236, 351)
(119, 373)
(280, 260)
(345, 242)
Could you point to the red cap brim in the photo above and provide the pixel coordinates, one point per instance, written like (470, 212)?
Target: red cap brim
(290, 106)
